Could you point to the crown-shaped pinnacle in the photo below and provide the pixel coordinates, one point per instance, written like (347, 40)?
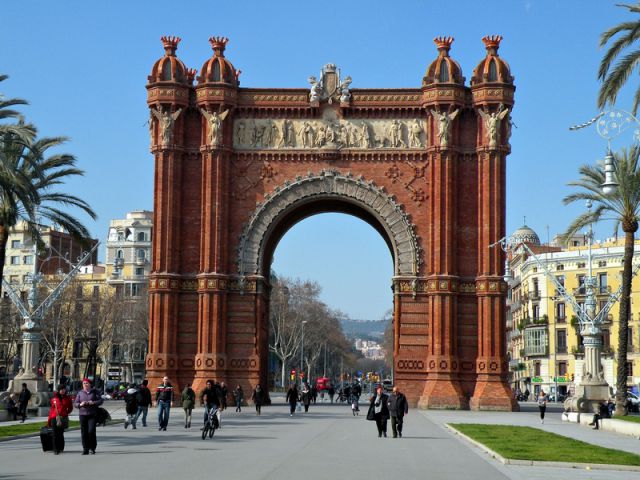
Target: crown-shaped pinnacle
(170, 44)
(443, 44)
(191, 74)
(218, 44)
(492, 43)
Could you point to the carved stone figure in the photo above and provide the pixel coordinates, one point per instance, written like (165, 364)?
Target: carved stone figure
(321, 137)
(415, 134)
(250, 136)
(492, 123)
(152, 121)
(167, 121)
(214, 121)
(316, 89)
(366, 136)
(258, 140)
(331, 133)
(240, 133)
(444, 120)
(307, 135)
(287, 138)
(395, 134)
(345, 94)
(272, 135)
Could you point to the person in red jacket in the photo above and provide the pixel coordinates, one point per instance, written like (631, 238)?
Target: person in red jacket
(61, 406)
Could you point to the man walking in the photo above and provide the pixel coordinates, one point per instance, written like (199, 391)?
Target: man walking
(23, 401)
(144, 400)
(164, 399)
(398, 408)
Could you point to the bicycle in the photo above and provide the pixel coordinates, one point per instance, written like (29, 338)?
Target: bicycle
(211, 424)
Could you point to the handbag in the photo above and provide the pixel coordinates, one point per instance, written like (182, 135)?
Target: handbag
(371, 414)
(61, 422)
(102, 416)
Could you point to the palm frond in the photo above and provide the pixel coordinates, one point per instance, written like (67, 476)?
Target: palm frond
(632, 36)
(616, 79)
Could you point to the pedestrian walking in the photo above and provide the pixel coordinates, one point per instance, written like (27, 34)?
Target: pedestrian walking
(188, 402)
(398, 408)
(306, 397)
(87, 402)
(238, 397)
(379, 410)
(332, 392)
(292, 398)
(542, 404)
(210, 398)
(224, 392)
(164, 401)
(131, 407)
(61, 407)
(258, 398)
(23, 402)
(144, 400)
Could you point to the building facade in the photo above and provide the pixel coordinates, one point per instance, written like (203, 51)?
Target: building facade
(543, 335)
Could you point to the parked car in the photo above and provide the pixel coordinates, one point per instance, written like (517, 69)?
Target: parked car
(387, 385)
(634, 402)
(552, 397)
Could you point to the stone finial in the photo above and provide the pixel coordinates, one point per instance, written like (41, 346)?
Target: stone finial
(191, 74)
(170, 45)
(443, 44)
(218, 44)
(492, 43)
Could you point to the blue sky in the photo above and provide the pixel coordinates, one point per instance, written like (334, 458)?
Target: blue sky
(83, 67)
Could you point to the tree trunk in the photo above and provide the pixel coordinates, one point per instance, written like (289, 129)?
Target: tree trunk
(4, 238)
(623, 324)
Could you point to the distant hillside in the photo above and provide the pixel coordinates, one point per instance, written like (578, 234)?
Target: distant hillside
(373, 329)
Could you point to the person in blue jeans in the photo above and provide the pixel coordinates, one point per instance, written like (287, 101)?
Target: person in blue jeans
(164, 400)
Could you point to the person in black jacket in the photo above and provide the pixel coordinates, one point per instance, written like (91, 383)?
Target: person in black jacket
(292, 398)
(164, 400)
(144, 400)
(398, 408)
(258, 398)
(379, 410)
(131, 406)
(23, 401)
(210, 398)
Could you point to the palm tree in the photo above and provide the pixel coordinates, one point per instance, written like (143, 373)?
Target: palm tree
(623, 203)
(614, 78)
(24, 133)
(28, 180)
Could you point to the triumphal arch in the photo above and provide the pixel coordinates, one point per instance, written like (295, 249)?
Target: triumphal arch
(236, 167)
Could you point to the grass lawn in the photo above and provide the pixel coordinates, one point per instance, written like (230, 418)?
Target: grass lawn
(526, 443)
(21, 429)
(629, 418)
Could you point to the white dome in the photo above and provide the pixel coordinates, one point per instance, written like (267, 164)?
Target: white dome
(524, 235)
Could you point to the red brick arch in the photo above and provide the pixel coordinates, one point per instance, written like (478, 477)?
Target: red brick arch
(235, 168)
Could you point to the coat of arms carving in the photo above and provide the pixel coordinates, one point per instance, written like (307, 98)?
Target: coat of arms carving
(330, 87)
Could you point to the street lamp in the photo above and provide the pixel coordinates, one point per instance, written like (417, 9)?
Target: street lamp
(302, 354)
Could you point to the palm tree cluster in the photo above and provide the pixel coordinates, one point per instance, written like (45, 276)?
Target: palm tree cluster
(30, 178)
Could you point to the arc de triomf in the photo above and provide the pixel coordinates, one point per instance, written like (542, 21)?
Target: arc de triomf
(235, 168)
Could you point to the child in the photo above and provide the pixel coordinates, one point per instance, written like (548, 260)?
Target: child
(131, 406)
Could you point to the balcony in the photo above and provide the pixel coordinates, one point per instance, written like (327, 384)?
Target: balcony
(561, 350)
(140, 261)
(580, 291)
(534, 295)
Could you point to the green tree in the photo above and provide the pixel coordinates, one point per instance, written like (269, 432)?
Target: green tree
(622, 50)
(623, 204)
(28, 182)
(21, 131)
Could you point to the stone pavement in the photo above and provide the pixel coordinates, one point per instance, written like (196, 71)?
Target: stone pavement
(326, 442)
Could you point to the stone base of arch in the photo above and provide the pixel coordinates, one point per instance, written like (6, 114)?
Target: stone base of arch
(493, 394)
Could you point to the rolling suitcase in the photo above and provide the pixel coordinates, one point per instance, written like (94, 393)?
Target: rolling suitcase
(46, 438)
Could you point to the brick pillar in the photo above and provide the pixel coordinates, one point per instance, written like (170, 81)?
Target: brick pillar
(492, 391)
(213, 282)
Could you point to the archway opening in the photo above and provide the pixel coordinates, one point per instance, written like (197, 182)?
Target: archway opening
(330, 266)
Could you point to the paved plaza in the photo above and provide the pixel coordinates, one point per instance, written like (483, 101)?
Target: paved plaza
(324, 443)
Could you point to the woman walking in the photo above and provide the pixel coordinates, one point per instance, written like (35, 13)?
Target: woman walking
(306, 397)
(188, 402)
(238, 396)
(61, 407)
(292, 398)
(87, 401)
(258, 398)
(379, 411)
(542, 404)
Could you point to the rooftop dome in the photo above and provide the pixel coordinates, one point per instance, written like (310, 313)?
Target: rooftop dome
(169, 68)
(443, 69)
(524, 235)
(492, 68)
(218, 69)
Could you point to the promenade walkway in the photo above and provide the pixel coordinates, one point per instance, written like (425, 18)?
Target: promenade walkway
(326, 442)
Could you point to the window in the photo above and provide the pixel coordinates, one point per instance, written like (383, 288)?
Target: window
(444, 72)
(536, 288)
(562, 369)
(79, 291)
(119, 254)
(14, 279)
(560, 267)
(139, 271)
(136, 288)
(629, 369)
(27, 259)
(630, 338)
(581, 264)
(602, 263)
(15, 243)
(536, 312)
(121, 236)
(602, 304)
(536, 369)
(493, 71)
(606, 339)
(78, 308)
(115, 352)
(602, 282)
(142, 237)
(166, 71)
(77, 348)
(141, 254)
(94, 309)
(561, 313)
(581, 286)
(561, 341)
(535, 341)
(15, 260)
(560, 279)
(96, 291)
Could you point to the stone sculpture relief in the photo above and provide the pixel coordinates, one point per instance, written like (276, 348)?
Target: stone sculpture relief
(214, 120)
(444, 119)
(330, 87)
(167, 121)
(267, 134)
(492, 122)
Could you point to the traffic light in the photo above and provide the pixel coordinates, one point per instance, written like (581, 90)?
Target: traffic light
(293, 374)
(572, 377)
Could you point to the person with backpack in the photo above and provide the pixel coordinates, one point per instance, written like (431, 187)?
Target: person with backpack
(144, 400)
(188, 402)
(131, 407)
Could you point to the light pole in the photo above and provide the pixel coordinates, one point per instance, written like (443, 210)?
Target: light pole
(302, 355)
